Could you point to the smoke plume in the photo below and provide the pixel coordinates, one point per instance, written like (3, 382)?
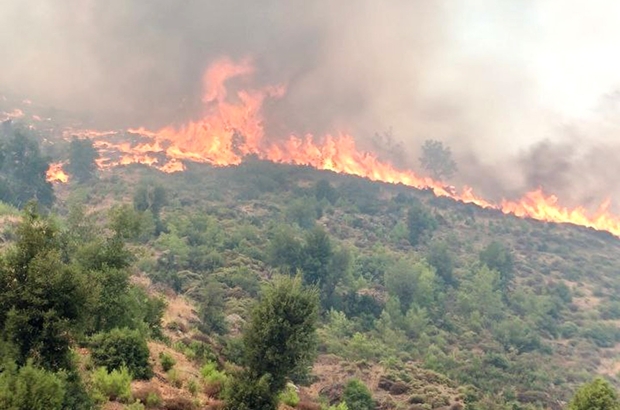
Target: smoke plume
(512, 87)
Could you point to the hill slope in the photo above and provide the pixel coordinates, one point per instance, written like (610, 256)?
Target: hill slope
(521, 311)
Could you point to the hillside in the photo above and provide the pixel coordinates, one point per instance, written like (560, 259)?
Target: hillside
(139, 288)
(524, 337)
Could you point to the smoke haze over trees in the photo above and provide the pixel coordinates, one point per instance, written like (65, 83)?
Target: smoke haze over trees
(510, 89)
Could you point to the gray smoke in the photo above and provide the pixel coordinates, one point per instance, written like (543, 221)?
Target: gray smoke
(497, 81)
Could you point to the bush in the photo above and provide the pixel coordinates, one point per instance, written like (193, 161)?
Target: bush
(175, 379)
(167, 361)
(148, 394)
(214, 379)
(30, 388)
(135, 406)
(192, 387)
(289, 396)
(153, 400)
(245, 392)
(210, 374)
(357, 396)
(122, 347)
(115, 385)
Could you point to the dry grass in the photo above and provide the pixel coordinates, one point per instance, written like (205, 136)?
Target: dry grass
(333, 371)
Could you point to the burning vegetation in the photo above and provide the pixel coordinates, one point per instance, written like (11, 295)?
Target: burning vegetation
(233, 127)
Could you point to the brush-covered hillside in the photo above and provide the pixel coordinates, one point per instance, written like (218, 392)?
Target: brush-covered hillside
(132, 288)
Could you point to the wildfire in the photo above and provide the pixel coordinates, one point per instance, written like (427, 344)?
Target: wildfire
(232, 127)
(55, 173)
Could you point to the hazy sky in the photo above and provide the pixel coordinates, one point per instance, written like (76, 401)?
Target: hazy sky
(525, 91)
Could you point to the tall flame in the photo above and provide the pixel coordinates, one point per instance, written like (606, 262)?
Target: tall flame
(232, 127)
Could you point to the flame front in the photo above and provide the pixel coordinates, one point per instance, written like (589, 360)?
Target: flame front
(232, 127)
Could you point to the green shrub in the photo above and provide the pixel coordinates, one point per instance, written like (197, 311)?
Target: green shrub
(135, 406)
(214, 379)
(210, 374)
(357, 396)
(602, 335)
(245, 392)
(192, 387)
(175, 379)
(122, 347)
(115, 385)
(289, 396)
(153, 400)
(30, 388)
(201, 351)
(167, 361)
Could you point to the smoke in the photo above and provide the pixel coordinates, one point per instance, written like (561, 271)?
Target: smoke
(512, 87)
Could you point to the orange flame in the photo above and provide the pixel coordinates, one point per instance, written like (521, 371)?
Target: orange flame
(55, 173)
(232, 127)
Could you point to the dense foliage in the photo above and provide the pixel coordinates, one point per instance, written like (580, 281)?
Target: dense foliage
(52, 296)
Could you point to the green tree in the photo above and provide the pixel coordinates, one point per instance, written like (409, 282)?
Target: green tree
(420, 222)
(322, 264)
(104, 253)
(23, 172)
(110, 308)
(516, 334)
(303, 212)
(211, 297)
(82, 156)
(126, 222)
(357, 396)
(596, 395)
(479, 298)
(279, 339)
(44, 301)
(437, 160)
(497, 257)
(285, 250)
(324, 190)
(150, 197)
(411, 283)
(440, 258)
(317, 254)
